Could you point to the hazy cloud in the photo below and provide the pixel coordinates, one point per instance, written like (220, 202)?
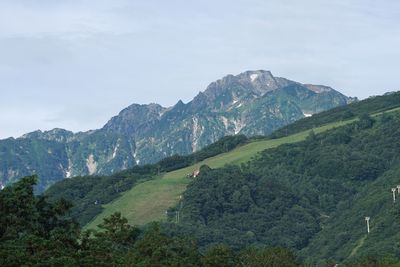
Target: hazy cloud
(75, 63)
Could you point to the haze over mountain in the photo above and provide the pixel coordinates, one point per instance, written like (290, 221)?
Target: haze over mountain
(251, 103)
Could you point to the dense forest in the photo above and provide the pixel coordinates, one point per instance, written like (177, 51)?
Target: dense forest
(310, 196)
(34, 232)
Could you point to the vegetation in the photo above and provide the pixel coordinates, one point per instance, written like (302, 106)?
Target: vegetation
(149, 200)
(145, 134)
(165, 190)
(310, 196)
(88, 194)
(376, 104)
(223, 145)
(31, 156)
(34, 232)
(308, 192)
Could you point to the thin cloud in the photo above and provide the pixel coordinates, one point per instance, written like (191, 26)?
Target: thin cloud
(77, 57)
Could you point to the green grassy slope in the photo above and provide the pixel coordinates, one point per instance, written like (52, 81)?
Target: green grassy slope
(148, 201)
(85, 192)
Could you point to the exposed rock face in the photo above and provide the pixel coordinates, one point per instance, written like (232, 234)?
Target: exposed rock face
(135, 119)
(251, 103)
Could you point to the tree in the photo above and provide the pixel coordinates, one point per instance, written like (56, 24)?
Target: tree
(219, 255)
(34, 231)
(157, 249)
(267, 257)
(365, 121)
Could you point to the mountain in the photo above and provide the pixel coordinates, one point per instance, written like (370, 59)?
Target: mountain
(251, 103)
(308, 187)
(84, 191)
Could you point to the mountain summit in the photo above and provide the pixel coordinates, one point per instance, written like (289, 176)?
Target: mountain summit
(251, 103)
(243, 87)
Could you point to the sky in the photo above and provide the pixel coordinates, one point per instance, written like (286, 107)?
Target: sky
(74, 64)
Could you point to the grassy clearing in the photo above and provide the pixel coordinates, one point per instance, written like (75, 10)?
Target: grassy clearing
(148, 201)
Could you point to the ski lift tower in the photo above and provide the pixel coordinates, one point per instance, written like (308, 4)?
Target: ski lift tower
(394, 194)
(367, 220)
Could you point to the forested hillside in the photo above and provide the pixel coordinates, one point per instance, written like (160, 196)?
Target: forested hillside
(90, 194)
(34, 232)
(310, 196)
(370, 105)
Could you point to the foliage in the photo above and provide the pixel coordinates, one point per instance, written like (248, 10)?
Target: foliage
(223, 145)
(33, 231)
(310, 196)
(372, 261)
(22, 157)
(220, 255)
(150, 199)
(268, 257)
(34, 234)
(368, 106)
(161, 193)
(89, 193)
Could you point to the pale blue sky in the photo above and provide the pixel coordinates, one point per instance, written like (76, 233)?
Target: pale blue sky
(75, 63)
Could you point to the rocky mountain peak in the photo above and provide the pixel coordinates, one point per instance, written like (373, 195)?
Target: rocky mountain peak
(56, 134)
(232, 89)
(262, 81)
(130, 119)
(255, 75)
(179, 103)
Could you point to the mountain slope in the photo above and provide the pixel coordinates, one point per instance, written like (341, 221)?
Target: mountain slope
(310, 195)
(251, 103)
(212, 156)
(148, 201)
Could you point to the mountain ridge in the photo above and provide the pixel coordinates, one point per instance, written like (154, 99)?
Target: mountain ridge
(250, 103)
